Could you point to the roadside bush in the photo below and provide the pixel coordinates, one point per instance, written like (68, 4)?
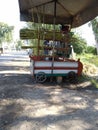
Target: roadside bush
(92, 50)
(79, 44)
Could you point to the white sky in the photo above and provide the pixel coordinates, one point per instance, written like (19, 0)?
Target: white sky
(86, 32)
(9, 13)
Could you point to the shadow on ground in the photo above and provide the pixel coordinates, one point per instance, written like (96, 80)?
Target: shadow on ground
(27, 105)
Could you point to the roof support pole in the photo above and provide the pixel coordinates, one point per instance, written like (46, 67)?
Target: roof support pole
(54, 21)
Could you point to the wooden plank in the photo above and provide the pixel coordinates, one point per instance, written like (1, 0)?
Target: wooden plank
(44, 35)
(28, 34)
(47, 48)
(27, 47)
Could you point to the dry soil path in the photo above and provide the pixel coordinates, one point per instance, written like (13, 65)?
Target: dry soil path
(26, 105)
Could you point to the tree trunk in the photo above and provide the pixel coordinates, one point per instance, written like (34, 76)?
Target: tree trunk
(97, 47)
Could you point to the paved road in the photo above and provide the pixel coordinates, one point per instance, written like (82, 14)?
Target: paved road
(26, 105)
(17, 55)
(14, 63)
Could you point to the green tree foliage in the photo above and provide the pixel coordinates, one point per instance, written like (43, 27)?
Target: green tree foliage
(94, 24)
(5, 33)
(79, 44)
(19, 43)
(91, 49)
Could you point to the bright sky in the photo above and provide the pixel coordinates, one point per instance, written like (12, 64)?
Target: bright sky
(86, 32)
(9, 13)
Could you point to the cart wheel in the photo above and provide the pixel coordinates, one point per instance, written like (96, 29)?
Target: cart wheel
(72, 76)
(41, 77)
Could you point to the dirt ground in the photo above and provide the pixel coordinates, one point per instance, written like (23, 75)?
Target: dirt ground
(27, 105)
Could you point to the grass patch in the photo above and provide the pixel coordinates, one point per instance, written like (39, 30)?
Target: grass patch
(95, 83)
(83, 78)
(90, 65)
(89, 58)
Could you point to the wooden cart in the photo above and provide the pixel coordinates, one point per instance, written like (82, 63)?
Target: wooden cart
(53, 58)
(42, 68)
